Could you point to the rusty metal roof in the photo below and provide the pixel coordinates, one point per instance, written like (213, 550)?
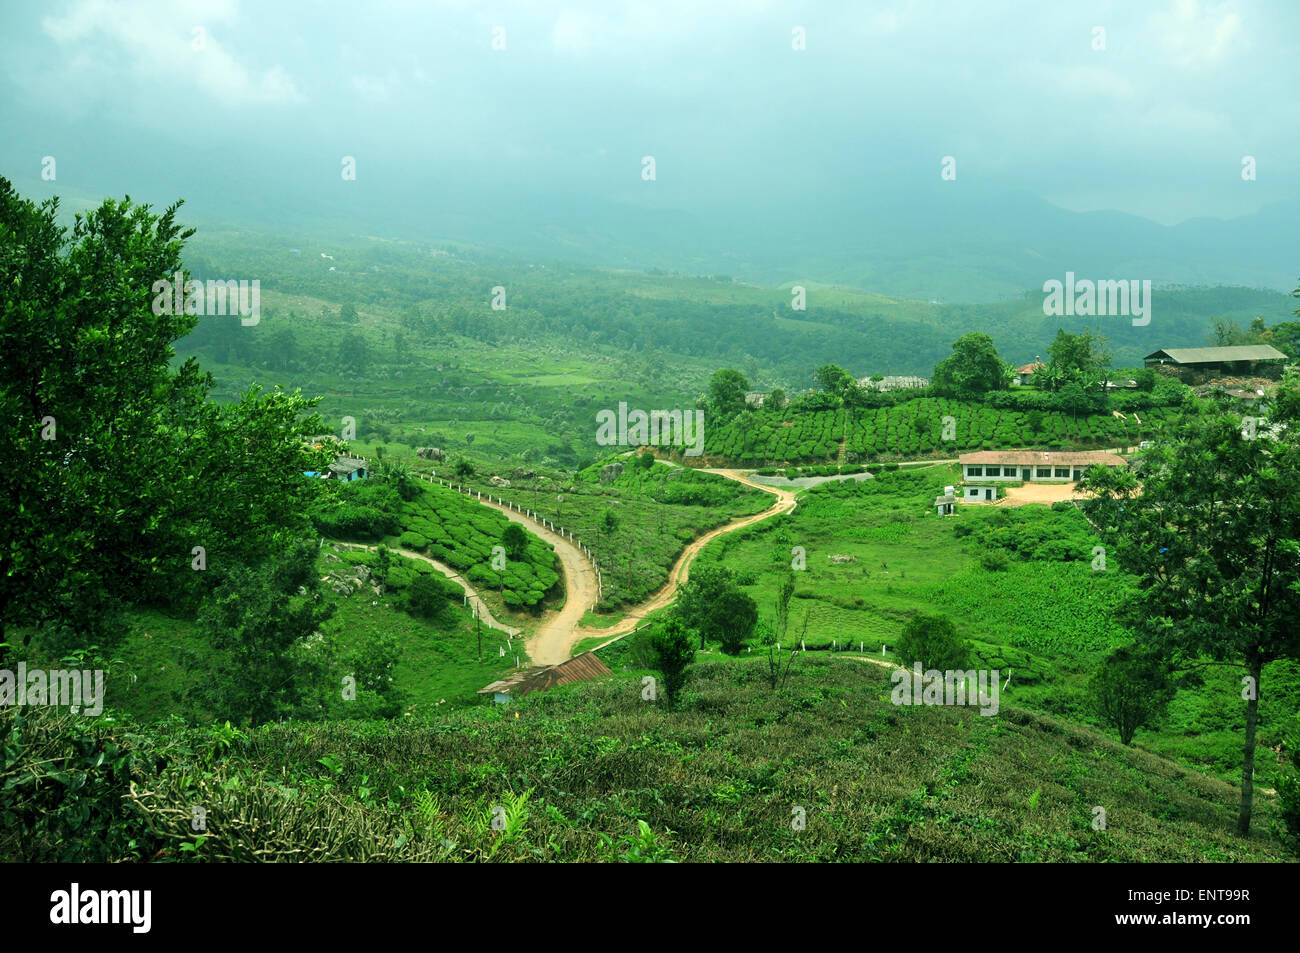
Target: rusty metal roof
(580, 668)
(1029, 458)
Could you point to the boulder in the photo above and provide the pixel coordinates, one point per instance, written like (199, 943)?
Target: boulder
(610, 472)
(498, 481)
(522, 474)
(430, 453)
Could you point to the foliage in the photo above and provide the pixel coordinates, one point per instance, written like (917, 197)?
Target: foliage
(1213, 539)
(1130, 690)
(972, 369)
(428, 596)
(671, 643)
(262, 663)
(116, 462)
(733, 619)
(932, 640)
(727, 389)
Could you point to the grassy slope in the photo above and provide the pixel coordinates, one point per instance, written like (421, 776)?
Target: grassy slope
(652, 528)
(1046, 621)
(719, 779)
(438, 657)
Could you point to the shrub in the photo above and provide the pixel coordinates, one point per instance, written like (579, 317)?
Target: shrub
(995, 561)
(672, 645)
(428, 596)
(414, 541)
(932, 640)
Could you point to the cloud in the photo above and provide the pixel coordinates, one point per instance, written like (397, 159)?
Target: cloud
(1193, 37)
(176, 43)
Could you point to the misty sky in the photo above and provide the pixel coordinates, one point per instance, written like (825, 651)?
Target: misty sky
(1155, 124)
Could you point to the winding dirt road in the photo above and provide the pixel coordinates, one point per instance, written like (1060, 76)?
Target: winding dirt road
(681, 570)
(560, 630)
(479, 606)
(551, 642)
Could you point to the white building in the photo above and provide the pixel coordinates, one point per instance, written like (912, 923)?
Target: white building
(983, 470)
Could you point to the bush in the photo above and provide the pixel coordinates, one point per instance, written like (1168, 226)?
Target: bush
(995, 561)
(428, 596)
(414, 541)
(1130, 690)
(932, 640)
(672, 645)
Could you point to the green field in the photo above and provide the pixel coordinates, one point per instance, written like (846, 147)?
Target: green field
(1043, 617)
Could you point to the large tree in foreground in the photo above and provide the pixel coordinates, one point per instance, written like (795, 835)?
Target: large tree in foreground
(1213, 537)
(120, 481)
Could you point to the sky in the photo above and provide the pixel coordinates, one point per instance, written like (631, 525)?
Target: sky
(541, 109)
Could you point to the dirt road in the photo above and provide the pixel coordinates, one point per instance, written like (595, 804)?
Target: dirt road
(681, 570)
(553, 638)
(476, 603)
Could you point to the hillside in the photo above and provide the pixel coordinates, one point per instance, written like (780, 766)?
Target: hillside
(572, 772)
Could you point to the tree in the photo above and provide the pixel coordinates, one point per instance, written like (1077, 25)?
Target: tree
(282, 350)
(398, 475)
(695, 601)
(1286, 336)
(354, 354)
(727, 389)
(783, 595)
(932, 640)
(382, 564)
(116, 465)
(374, 666)
(733, 619)
(833, 379)
(671, 643)
(514, 538)
(646, 460)
(1081, 359)
(261, 666)
(1130, 690)
(776, 400)
(429, 595)
(463, 468)
(973, 368)
(1213, 540)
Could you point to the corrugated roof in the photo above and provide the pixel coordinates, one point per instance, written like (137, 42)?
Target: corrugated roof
(580, 668)
(1029, 458)
(1219, 355)
(507, 683)
(347, 465)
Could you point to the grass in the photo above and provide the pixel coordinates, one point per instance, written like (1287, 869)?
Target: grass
(658, 511)
(1046, 619)
(718, 778)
